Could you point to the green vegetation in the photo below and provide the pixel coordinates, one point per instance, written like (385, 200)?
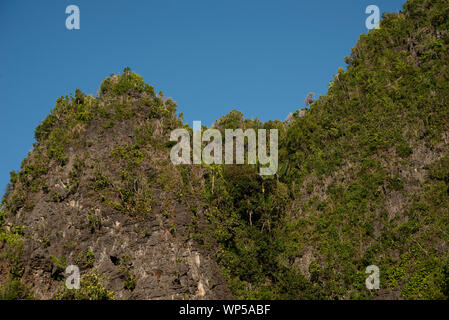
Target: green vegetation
(85, 259)
(347, 193)
(15, 290)
(363, 178)
(126, 271)
(94, 222)
(12, 240)
(91, 288)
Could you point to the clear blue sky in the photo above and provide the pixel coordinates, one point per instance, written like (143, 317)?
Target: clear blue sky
(260, 57)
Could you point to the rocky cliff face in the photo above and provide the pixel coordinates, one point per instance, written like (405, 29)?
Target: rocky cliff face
(99, 191)
(363, 180)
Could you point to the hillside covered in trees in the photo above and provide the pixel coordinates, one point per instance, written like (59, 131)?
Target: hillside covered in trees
(363, 180)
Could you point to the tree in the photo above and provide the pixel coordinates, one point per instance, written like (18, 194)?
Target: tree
(308, 101)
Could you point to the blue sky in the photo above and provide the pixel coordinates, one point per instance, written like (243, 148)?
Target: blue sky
(260, 57)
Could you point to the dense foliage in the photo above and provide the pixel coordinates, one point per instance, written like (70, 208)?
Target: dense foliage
(363, 177)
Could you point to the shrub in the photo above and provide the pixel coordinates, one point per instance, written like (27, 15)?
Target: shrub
(91, 288)
(15, 290)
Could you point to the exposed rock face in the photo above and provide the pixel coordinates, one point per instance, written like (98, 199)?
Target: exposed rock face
(165, 266)
(113, 204)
